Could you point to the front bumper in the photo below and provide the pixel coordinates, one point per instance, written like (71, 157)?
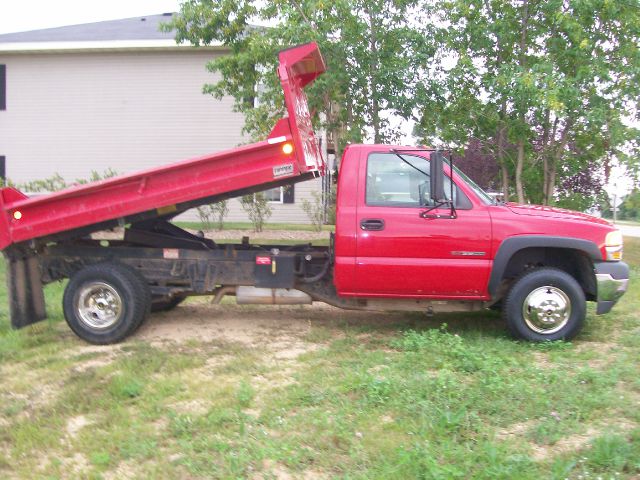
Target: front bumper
(612, 280)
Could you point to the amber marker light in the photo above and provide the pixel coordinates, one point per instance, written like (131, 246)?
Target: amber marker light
(17, 214)
(287, 148)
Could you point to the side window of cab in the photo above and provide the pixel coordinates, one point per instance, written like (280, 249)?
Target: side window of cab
(394, 181)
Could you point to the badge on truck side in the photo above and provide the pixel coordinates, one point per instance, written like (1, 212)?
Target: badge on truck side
(283, 170)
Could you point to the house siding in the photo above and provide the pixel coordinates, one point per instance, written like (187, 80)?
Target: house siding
(76, 112)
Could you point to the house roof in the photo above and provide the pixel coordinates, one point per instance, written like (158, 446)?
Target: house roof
(137, 33)
(136, 28)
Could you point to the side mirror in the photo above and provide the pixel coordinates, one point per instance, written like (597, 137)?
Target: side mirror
(436, 179)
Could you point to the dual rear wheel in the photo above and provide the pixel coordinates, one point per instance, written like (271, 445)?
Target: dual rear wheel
(106, 302)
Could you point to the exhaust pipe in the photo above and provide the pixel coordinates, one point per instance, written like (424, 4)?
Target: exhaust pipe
(271, 296)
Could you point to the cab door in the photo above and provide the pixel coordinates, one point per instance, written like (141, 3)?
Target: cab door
(401, 254)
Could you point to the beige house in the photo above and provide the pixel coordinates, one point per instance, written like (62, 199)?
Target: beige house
(116, 94)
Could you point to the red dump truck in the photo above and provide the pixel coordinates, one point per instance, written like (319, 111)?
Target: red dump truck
(412, 233)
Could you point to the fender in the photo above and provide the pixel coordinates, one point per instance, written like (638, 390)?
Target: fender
(511, 245)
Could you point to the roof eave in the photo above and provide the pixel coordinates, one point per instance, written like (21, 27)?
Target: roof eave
(101, 45)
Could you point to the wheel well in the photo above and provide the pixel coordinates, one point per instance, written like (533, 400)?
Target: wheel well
(574, 262)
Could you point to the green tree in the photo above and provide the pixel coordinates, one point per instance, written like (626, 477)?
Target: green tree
(545, 85)
(371, 50)
(630, 208)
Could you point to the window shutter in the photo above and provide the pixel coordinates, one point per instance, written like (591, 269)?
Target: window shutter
(288, 194)
(3, 169)
(3, 87)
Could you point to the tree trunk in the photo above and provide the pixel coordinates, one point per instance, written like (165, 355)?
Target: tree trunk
(505, 182)
(375, 105)
(545, 161)
(519, 168)
(555, 159)
(504, 171)
(522, 60)
(551, 186)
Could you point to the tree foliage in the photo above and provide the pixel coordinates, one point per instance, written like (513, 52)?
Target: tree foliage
(544, 84)
(546, 88)
(371, 51)
(630, 207)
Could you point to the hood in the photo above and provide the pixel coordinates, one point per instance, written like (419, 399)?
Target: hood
(553, 212)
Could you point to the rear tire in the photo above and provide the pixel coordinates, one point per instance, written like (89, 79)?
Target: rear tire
(106, 302)
(545, 304)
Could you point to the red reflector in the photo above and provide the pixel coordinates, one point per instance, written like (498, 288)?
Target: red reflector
(263, 260)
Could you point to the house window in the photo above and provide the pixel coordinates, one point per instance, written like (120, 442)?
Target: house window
(280, 194)
(3, 87)
(274, 195)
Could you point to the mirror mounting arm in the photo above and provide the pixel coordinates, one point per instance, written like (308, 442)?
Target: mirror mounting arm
(452, 213)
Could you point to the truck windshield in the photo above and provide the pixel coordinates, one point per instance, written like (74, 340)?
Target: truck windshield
(482, 195)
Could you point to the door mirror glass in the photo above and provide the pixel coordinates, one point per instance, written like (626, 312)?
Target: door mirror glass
(436, 177)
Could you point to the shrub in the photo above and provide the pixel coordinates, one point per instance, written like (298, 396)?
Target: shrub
(315, 211)
(213, 214)
(257, 207)
(56, 182)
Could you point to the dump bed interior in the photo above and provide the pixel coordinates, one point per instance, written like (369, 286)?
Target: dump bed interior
(290, 154)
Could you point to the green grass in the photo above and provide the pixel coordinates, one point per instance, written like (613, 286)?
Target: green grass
(373, 396)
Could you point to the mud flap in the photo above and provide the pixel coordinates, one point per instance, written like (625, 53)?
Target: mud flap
(26, 296)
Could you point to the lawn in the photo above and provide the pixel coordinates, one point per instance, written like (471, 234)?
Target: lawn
(298, 392)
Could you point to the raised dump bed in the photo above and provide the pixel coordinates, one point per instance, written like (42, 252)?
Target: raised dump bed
(290, 154)
(31, 228)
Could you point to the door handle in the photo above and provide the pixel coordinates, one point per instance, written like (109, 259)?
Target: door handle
(372, 224)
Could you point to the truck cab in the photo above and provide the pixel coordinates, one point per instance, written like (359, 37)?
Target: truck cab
(468, 248)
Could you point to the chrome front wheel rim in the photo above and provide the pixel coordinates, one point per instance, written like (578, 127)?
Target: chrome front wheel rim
(99, 305)
(546, 310)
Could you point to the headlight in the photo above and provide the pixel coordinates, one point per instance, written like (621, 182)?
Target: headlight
(613, 245)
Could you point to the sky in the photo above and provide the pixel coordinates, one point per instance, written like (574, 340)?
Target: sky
(20, 16)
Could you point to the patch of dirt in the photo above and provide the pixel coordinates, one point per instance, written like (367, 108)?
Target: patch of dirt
(75, 424)
(602, 347)
(104, 355)
(515, 430)
(603, 353)
(571, 443)
(74, 466)
(39, 397)
(84, 365)
(542, 360)
(271, 469)
(196, 407)
(124, 471)
(567, 444)
(278, 329)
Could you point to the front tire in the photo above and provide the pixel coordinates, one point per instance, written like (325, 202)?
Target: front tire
(106, 302)
(545, 304)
